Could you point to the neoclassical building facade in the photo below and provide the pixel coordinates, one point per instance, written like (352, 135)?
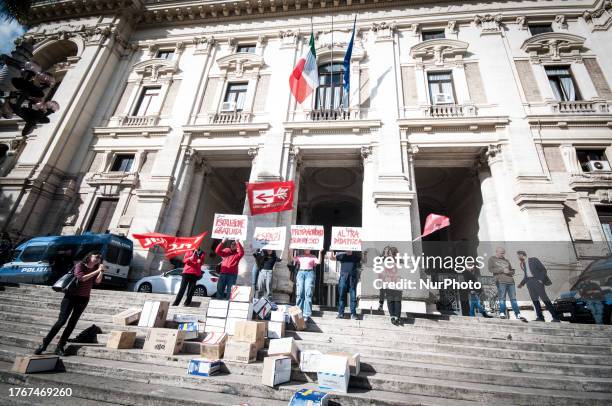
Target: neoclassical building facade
(497, 115)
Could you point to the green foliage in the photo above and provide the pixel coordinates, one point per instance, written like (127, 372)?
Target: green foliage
(15, 10)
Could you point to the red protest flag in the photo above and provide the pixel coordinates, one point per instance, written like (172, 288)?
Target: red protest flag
(172, 246)
(433, 223)
(270, 197)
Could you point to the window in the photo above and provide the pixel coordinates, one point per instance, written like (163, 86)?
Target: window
(536, 29)
(562, 83)
(165, 54)
(441, 87)
(148, 104)
(330, 93)
(605, 218)
(246, 48)
(125, 258)
(434, 34)
(586, 155)
(234, 97)
(33, 253)
(123, 163)
(86, 249)
(112, 253)
(102, 215)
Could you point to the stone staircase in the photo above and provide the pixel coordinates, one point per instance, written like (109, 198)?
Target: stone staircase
(427, 361)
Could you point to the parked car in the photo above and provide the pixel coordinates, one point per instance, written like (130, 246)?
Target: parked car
(571, 306)
(42, 260)
(170, 282)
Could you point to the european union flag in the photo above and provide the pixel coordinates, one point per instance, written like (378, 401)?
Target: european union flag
(347, 61)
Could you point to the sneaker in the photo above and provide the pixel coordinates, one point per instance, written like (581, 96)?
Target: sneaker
(502, 316)
(354, 317)
(521, 318)
(394, 321)
(340, 316)
(59, 351)
(308, 319)
(487, 316)
(380, 307)
(556, 321)
(41, 348)
(540, 319)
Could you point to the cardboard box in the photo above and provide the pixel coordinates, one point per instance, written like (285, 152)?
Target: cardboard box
(353, 360)
(262, 308)
(309, 397)
(296, 318)
(186, 318)
(240, 310)
(153, 314)
(214, 325)
(121, 340)
(309, 360)
(284, 346)
(164, 341)
(240, 351)
(333, 373)
(191, 330)
(241, 294)
(280, 316)
(217, 308)
(276, 370)
(276, 329)
(203, 367)
(250, 331)
(35, 363)
(213, 345)
(214, 329)
(127, 317)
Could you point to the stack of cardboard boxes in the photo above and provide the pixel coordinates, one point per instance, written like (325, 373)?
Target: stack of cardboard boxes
(240, 307)
(216, 316)
(249, 337)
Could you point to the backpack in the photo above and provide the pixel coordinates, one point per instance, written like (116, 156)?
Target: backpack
(87, 336)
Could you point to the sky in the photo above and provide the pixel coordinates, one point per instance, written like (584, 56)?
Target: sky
(8, 32)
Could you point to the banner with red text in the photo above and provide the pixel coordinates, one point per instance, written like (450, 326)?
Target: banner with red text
(346, 239)
(307, 237)
(269, 238)
(172, 246)
(270, 197)
(230, 226)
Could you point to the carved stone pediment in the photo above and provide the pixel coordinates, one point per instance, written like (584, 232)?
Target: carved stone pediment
(154, 68)
(600, 18)
(240, 62)
(439, 50)
(554, 46)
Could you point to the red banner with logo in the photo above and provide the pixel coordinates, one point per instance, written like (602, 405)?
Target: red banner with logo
(172, 246)
(270, 197)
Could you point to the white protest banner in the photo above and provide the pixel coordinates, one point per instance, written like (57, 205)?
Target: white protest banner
(269, 238)
(230, 226)
(346, 239)
(306, 237)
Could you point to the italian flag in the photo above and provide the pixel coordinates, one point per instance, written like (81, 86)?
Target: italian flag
(305, 77)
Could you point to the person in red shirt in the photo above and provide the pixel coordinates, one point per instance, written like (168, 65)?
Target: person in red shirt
(229, 266)
(192, 272)
(87, 272)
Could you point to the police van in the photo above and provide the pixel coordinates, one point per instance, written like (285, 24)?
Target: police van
(42, 260)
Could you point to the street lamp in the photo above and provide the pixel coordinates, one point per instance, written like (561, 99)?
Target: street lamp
(22, 88)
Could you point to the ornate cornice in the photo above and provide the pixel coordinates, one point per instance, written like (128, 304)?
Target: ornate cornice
(439, 51)
(153, 68)
(239, 62)
(599, 19)
(554, 46)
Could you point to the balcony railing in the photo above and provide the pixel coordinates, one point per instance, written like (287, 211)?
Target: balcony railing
(578, 107)
(137, 121)
(332, 114)
(232, 117)
(449, 110)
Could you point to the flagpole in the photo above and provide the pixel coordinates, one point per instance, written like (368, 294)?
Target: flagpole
(331, 65)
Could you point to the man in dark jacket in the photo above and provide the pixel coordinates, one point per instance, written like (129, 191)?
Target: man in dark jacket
(348, 281)
(267, 259)
(536, 278)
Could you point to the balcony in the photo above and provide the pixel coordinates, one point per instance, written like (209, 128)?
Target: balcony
(449, 111)
(137, 121)
(231, 117)
(579, 107)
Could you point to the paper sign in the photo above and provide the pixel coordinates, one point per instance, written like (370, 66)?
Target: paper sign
(346, 239)
(307, 237)
(230, 226)
(269, 238)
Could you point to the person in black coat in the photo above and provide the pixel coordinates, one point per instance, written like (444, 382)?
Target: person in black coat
(536, 279)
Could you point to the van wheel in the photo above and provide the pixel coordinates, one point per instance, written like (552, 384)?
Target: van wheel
(145, 288)
(200, 291)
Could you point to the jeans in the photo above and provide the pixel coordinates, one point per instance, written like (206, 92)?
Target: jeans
(224, 285)
(265, 279)
(475, 304)
(73, 307)
(254, 275)
(188, 281)
(348, 282)
(304, 289)
(596, 307)
(537, 291)
(510, 288)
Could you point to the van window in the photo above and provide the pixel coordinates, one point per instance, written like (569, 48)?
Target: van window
(125, 258)
(33, 253)
(112, 254)
(61, 250)
(86, 249)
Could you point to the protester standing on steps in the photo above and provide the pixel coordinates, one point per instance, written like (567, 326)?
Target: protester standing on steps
(192, 272)
(349, 262)
(305, 280)
(393, 297)
(267, 258)
(229, 266)
(501, 268)
(473, 274)
(256, 267)
(536, 279)
(87, 272)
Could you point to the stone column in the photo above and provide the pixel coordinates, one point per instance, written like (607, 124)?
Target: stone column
(489, 222)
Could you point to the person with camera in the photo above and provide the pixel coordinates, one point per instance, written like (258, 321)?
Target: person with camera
(87, 272)
(501, 268)
(192, 272)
